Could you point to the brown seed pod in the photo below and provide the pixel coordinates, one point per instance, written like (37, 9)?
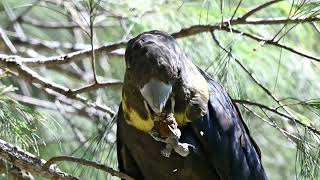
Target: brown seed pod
(164, 124)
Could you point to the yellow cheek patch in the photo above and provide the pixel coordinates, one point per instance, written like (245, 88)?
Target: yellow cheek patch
(135, 120)
(181, 119)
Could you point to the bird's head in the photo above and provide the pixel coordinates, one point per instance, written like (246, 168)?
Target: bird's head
(159, 78)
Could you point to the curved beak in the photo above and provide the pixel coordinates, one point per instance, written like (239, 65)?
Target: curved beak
(156, 93)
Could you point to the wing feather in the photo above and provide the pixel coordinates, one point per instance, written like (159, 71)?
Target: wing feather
(226, 139)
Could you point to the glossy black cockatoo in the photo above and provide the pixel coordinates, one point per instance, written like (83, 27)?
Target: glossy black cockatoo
(165, 95)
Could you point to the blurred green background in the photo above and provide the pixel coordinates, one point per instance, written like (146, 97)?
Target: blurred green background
(45, 28)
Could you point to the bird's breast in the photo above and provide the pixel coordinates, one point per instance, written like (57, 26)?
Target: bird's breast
(147, 154)
(136, 120)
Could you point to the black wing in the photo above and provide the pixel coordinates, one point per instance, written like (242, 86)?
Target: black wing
(226, 139)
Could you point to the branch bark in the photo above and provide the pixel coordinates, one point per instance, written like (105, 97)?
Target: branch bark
(22, 71)
(88, 163)
(30, 162)
(185, 32)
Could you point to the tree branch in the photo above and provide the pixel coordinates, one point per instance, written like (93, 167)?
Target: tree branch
(292, 138)
(58, 60)
(271, 42)
(280, 20)
(88, 163)
(266, 90)
(239, 101)
(95, 86)
(60, 25)
(196, 29)
(27, 74)
(30, 162)
(28, 9)
(260, 7)
(13, 172)
(185, 32)
(72, 108)
(256, 81)
(51, 45)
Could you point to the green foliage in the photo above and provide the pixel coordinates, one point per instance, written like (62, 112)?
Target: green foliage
(18, 123)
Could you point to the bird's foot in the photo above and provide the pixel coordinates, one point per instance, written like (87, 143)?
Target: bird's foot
(166, 152)
(183, 149)
(172, 143)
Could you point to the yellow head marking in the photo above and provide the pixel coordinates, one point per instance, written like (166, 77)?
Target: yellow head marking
(181, 119)
(135, 120)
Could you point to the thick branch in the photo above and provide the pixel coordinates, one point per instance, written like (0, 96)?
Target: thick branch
(88, 163)
(193, 30)
(26, 73)
(30, 162)
(196, 29)
(13, 172)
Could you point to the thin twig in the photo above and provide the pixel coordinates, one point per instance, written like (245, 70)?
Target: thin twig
(267, 91)
(235, 11)
(271, 42)
(17, 18)
(8, 42)
(12, 18)
(260, 7)
(244, 68)
(51, 45)
(240, 101)
(72, 108)
(279, 21)
(88, 163)
(93, 57)
(59, 25)
(95, 86)
(273, 124)
(29, 75)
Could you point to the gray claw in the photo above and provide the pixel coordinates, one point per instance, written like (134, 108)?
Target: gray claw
(166, 152)
(182, 149)
(156, 137)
